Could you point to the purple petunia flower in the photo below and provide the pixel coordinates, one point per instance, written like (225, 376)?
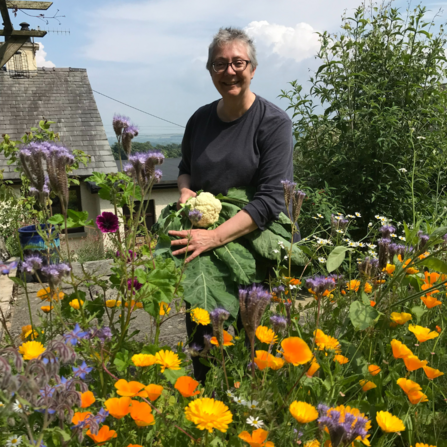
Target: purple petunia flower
(135, 284)
(107, 222)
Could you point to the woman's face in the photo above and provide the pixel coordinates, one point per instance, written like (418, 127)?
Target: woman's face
(230, 83)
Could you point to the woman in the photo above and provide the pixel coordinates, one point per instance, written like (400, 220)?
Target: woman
(239, 140)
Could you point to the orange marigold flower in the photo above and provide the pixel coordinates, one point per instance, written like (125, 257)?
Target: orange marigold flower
(374, 369)
(316, 443)
(141, 413)
(422, 333)
(314, 367)
(45, 295)
(142, 360)
(200, 316)
(167, 360)
(266, 335)
(372, 303)
(31, 350)
(354, 284)
(104, 435)
(294, 282)
(46, 309)
(430, 301)
(27, 331)
(164, 308)
(400, 317)
(368, 287)
(303, 412)
(326, 342)
(153, 392)
(133, 304)
(432, 373)
(76, 304)
(389, 423)
(343, 292)
(113, 303)
(129, 389)
(118, 407)
(409, 270)
(412, 363)
(341, 359)
(438, 328)
(390, 268)
(87, 399)
(400, 350)
(237, 385)
(227, 338)
(296, 351)
(186, 386)
(367, 385)
(134, 445)
(80, 416)
(208, 414)
(424, 255)
(413, 390)
(257, 438)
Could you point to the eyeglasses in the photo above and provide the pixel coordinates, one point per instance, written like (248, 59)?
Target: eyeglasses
(237, 66)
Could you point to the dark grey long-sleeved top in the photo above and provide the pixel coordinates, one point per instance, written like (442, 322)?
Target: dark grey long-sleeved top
(254, 150)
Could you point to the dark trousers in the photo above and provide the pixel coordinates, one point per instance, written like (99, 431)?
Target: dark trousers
(201, 370)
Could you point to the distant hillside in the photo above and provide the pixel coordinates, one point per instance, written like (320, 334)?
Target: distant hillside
(171, 150)
(162, 139)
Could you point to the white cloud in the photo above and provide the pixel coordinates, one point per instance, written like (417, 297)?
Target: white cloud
(299, 42)
(41, 58)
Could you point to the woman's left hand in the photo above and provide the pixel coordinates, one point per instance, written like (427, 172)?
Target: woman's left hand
(199, 242)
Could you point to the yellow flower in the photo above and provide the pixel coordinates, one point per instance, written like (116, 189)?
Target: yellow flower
(390, 268)
(45, 295)
(303, 412)
(341, 359)
(422, 333)
(326, 342)
(432, 373)
(409, 270)
(31, 350)
(28, 332)
(76, 304)
(164, 308)
(413, 391)
(368, 287)
(354, 284)
(113, 303)
(167, 360)
(46, 309)
(400, 317)
(389, 423)
(200, 316)
(367, 385)
(419, 444)
(208, 413)
(144, 360)
(413, 363)
(400, 350)
(313, 443)
(266, 335)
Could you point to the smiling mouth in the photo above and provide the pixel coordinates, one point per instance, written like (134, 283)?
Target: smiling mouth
(230, 83)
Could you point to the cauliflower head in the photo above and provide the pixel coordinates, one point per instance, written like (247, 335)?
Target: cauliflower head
(209, 206)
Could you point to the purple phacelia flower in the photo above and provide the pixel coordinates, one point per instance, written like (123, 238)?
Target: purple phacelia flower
(119, 123)
(278, 322)
(289, 188)
(195, 216)
(55, 272)
(107, 222)
(387, 230)
(320, 284)
(32, 263)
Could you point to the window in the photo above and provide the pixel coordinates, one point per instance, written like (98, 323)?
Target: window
(149, 214)
(74, 203)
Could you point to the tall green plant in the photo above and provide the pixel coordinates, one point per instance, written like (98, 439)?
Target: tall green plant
(376, 104)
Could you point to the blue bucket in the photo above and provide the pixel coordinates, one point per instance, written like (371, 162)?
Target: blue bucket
(30, 237)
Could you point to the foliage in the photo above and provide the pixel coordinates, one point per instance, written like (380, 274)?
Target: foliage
(171, 150)
(375, 115)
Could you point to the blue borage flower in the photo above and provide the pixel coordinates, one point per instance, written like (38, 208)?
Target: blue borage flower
(75, 335)
(82, 371)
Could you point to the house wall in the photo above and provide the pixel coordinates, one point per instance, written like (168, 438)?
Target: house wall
(163, 197)
(89, 203)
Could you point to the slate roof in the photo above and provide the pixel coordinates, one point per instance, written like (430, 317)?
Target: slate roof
(63, 95)
(170, 172)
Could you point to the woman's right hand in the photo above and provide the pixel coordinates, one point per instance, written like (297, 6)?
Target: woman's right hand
(185, 194)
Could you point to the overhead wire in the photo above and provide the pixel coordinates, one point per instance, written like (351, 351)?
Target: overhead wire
(142, 111)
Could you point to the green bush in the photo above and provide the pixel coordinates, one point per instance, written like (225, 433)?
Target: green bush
(375, 115)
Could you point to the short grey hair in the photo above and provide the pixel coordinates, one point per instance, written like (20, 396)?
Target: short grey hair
(227, 35)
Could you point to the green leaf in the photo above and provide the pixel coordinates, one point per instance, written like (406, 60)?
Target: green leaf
(435, 264)
(207, 284)
(57, 219)
(362, 316)
(264, 242)
(418, 311)
(246, 194)
(163, 245)
(172, 375)
(123, 360)
(239, 261)
(336, 257)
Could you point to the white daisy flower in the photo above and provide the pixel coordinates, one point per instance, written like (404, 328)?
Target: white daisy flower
(253, 404)
(340, 214)
(402, 238)
(377, 216)
(286, 257)
(350, 216)
(320, 216)
(360, 244)
(2, 404)
(358, 214)
(370, 224)
(275, 251)
(321, 260)
(13, 441)
(254, 422)
(420, 138)
(18, 407)
(315, 217)
(353, 244)
(230, 394)
(238, 400)
(291, 287)
(339, 217)
(383, 219)
(403, 170)
(340, 231)
(393, 235)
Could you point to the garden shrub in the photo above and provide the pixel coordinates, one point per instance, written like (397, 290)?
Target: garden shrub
(375, 114)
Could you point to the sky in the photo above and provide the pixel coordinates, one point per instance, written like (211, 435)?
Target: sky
(151, 54)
